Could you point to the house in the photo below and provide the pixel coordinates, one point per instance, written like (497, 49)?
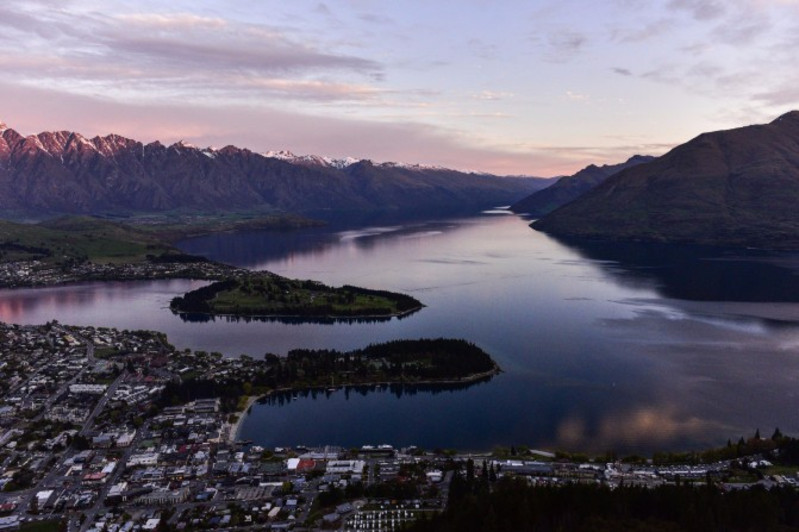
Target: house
(9, 522)
(331, 518)
(151, 524)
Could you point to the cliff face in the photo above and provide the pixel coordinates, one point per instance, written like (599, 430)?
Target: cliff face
(737, 187)
(64, 172)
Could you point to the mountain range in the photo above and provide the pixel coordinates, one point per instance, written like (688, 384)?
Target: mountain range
(569, 188)
(736, 187)
(64, 172)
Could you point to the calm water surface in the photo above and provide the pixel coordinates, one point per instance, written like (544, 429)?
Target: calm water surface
(632, 347)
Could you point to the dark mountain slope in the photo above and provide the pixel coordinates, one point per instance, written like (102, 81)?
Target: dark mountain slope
(64, 172)
(734, 188)
(570, 188)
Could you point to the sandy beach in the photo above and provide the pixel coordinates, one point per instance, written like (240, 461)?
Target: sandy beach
(233, 433)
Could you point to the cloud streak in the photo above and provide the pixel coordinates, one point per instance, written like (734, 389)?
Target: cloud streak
(561, 46)
(189, 52)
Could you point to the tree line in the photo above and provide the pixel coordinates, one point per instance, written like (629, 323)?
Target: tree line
(478, 503)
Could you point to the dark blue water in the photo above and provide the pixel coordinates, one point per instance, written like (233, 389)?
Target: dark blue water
(632, 348)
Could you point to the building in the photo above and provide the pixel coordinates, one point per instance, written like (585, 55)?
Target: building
(343, 467)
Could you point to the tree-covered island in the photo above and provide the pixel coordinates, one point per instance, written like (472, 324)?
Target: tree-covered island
(265, 294)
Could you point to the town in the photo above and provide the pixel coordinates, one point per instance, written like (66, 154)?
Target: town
(37, 273)
(97, 434)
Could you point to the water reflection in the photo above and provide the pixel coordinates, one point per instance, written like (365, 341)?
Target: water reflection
(198, 317)
(696, 273)
(656, 427)
(38, 305)
(398, 390)
(255, 249)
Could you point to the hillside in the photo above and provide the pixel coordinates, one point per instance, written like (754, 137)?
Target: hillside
(569, 188)
(66, 173)
(728, 188)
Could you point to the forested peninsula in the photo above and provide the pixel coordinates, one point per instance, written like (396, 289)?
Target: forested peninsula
(423, 361)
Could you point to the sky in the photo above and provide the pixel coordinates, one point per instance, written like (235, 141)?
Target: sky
(504, 86)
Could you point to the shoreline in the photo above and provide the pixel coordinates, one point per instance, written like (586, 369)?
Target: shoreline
(233, 433)
(252, 399)
(337, 317)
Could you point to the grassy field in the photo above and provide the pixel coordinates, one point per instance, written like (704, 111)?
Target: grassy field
(174, 226)
(124, 240)
(78, 239)
(265, 294)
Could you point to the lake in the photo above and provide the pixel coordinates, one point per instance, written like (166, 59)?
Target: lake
(628, 347)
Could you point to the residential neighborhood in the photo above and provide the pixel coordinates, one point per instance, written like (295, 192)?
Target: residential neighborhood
(29, 273)
(94, 437)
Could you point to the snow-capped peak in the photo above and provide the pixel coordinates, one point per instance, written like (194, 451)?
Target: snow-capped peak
(412, 166)
(311, 160)
(341, 163)
(183, 144)
(283, 155)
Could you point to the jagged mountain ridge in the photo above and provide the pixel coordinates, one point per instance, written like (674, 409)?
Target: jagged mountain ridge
(569, 188)
(737, 187)
(63, 172)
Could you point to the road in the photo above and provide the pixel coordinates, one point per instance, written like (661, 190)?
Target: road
(25, 497)
(91, 513)
(109, 393)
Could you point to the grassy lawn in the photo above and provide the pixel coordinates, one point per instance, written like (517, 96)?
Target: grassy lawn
(275, 301)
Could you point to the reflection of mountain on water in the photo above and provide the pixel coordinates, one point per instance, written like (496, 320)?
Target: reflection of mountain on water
(395, 389)
(694, 272)
(251, 249)
(198, 317)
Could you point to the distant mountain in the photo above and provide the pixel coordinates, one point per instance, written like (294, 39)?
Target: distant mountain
(571, 187)
(311, 160)
(64, 172)
(733, 188)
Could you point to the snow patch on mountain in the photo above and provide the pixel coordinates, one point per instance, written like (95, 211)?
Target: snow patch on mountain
(311, 160)
(341, 163)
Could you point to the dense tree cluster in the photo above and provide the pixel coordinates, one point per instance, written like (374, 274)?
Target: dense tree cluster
(398, 360)
(478, 504)
(787, 450)
(198, 300)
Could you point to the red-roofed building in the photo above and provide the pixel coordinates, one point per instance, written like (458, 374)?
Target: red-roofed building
(306, 465)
